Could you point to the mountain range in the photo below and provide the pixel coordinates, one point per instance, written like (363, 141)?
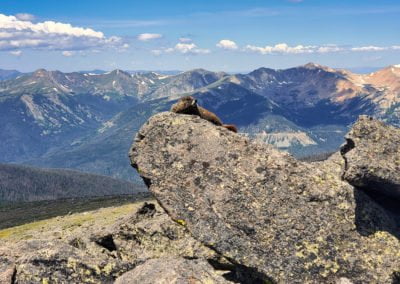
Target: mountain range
(86, 121)
(8, 74)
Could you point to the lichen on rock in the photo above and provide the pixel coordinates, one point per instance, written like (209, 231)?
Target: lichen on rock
(96, 254)
(262, 209)
(172, 270)
(372, 155)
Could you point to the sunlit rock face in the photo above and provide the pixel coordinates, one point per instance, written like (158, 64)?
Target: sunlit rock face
(288, 220)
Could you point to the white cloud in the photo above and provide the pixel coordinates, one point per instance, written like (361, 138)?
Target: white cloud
(369, 48)
(16, 34)
(147, 36)
(183, 48)
(190, 48)
(375, 48)
(25, 17)
(227, 44)
(282, 48)
(329, 48)
(68, 53)
(16, 53)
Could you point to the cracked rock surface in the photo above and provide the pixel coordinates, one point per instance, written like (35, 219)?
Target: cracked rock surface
(287, 220)
(372, 153)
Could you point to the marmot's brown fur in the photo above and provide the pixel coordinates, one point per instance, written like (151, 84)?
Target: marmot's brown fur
(188, 105)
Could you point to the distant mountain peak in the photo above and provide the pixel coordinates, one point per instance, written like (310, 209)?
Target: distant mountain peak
(119, 72)
(312, 65)
(9, 74)
(199, 70)
(40, 72)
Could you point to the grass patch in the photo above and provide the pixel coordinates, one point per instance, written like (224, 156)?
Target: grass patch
(64, 225)
(15, 214)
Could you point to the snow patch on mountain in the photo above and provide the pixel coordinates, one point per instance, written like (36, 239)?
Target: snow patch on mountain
(56, 100)
(34, 110)
(106, 125)
(286, 139)
(161, 77)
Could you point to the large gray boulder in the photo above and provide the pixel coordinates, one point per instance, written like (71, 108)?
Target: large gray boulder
(372, 155)
(288, 221)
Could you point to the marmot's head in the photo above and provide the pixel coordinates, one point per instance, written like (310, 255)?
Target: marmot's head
(186, 105)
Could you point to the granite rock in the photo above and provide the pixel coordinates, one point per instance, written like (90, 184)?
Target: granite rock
(289, 221)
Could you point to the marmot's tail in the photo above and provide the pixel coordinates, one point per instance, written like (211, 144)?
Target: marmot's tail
(230, 127)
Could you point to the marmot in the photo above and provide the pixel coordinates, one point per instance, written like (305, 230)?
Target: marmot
(188, 105)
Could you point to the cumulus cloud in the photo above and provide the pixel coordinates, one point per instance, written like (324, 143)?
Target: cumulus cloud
(369, 48)
(147, 36)
(375, 48)
(227, 44)
(183, 48)
(281, 48)
(68, 53)
(16, 53)
(18, 34)
(25, 17)
(329, 48)
(190, 48)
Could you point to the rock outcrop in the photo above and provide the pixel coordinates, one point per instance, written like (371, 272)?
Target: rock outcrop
(372, 153)
(285, 220)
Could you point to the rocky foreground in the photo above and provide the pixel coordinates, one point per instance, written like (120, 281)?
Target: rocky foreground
(233, 211)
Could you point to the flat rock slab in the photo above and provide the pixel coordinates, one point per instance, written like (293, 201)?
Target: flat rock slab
(7, 273)
(290, 221)
(172, 271)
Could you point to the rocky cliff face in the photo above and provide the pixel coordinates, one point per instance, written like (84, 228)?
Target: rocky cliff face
(286, 220)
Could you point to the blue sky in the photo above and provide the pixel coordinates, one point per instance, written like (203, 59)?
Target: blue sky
(217, 35)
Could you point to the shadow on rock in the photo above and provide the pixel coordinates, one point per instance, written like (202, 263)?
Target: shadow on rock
(373, 212)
